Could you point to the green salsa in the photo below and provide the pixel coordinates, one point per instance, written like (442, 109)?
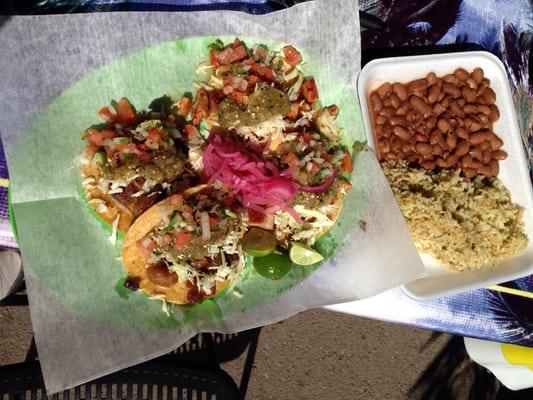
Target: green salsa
(163, 167)
(263, 104)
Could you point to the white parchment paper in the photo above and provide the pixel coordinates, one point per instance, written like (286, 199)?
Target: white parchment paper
(54, 52)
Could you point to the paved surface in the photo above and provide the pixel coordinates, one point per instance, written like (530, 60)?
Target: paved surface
(324, 355)
(316, 354)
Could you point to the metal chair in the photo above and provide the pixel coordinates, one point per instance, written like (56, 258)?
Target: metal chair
(192, 371)
(149, 381)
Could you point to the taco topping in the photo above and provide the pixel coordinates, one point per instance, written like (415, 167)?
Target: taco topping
(196, 243)
(269, 157)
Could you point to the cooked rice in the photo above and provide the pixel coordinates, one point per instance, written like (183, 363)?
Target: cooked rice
(463, 224)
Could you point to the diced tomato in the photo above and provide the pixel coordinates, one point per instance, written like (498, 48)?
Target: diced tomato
(291, 160)
(346, 164)
(253, 80)
(212, 59)
(184, 106)
(227, 89)
(216, 95)
(265, 221)
(166, 240)
(106, 114)
(313, 170)
(238, 96)
(240, 53)
(307, 137)
(254, 216)
(150, 246)
(284, 148)
(200, 108)
(146, 246)
(229, 199)
(249, 61)
(231, 54)
(91, 150)
(264, 72)
(191, 131)
(292, 56)
(175, 200)
(126, 114)
(226, 56)
(181, 239)
(151, 144)
(108, 134)
(225, 83)
(293, 112)
(213, 221)
(155, 134)
(213, 102)
(309, 90)
(144, 156)
(236, 42)
(141, 146)
(97, 137)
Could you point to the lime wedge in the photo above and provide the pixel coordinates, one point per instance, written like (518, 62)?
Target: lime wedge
(258, 242)
(273, 266)
(303, 255)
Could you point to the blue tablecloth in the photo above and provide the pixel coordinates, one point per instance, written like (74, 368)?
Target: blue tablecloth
(501, 27)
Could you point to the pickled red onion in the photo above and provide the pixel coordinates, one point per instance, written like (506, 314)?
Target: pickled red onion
(319, 188)
(258, 185)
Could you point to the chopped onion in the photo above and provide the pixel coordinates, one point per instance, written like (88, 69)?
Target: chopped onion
(115, 191)
(114, 232)
(206, 229)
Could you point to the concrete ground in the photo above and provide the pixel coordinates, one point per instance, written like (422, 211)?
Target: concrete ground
(316, 354)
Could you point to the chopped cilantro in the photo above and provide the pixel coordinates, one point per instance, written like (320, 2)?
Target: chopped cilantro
(174, 217)
(114, 104)
(99, 127)
(217, 45)
(245, 47)
(237, 69)
(127, 156)
(345, 175)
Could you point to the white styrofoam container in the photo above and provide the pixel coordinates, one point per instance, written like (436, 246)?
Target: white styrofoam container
(513, 171)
